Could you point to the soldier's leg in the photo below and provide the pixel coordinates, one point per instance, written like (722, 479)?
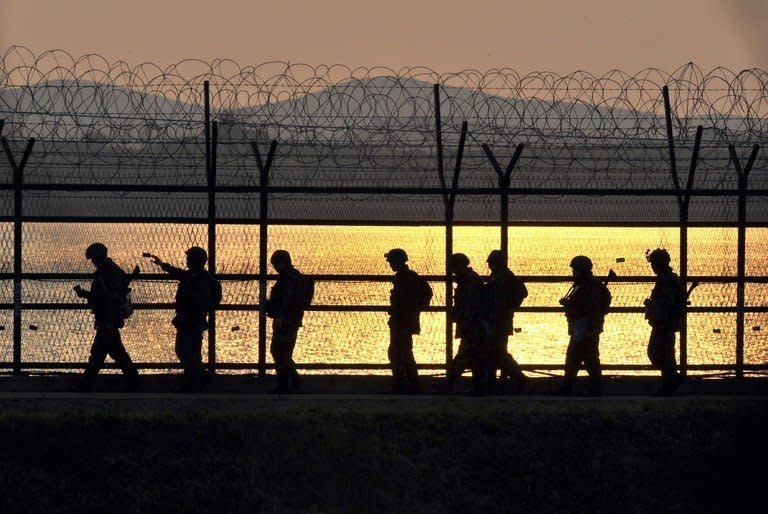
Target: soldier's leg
(464, 359)
(194, 356)
(409, 364)
(492, 360)
(591, 358)
(197, 356)
(667, 362)
(289, 344)
(459, 363)
(277, 349)
(98, 353)
(119, 354)
(572, 364)
(184, 350)
(509, 366)
(654, 343)
(204, 374)
(482, 365)
(394, 353)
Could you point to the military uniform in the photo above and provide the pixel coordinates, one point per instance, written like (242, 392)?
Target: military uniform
(505, 293)
(664, 310)
(585, 309)
(469, 313)
(286, 304)
(194, 299)
(404, 310)
(105, 298)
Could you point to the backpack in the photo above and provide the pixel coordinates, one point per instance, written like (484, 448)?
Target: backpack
(604, 301)
(125, 305)
(216, 293)
(518, 292)
(306, 290)
(425, 293)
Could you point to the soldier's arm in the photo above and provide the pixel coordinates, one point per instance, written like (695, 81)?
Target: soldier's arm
(173, 271)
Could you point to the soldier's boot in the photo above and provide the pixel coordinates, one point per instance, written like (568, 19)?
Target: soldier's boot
(295, 381)
(85, 384)
(132, 383)
(565, 389)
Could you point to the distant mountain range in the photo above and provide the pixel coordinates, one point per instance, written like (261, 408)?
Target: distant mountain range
(90, 109)
(367, 132)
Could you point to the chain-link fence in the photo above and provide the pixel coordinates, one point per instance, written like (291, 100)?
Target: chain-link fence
(338, 165)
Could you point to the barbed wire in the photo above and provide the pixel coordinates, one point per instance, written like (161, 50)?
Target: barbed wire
(100, 121)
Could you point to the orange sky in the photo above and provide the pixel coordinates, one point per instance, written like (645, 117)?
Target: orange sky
(447, 35)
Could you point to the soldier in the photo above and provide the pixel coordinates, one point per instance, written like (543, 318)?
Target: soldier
(664, 312)
(106, 299)
(288, 299)
(506, 293)
(410, 295)
(197, 293)
(586, 305)
(469, 313)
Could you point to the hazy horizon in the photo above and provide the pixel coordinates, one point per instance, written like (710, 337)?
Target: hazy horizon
(595, 36)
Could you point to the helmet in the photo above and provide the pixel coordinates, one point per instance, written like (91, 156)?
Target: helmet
(280, 257)
(197, 254)
(496, 257)
(96, 251)
(458, 260)
(581, 262)
(658, 256)
(396, 255)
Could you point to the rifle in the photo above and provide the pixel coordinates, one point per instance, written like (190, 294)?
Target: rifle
(611, 276)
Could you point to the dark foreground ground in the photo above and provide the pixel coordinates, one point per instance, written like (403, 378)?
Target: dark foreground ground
(333, 451)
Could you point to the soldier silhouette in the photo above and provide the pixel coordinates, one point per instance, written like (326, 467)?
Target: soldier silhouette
(505, 294)
(410, 295)
(469, 313)
(107, 300)
(289, 297)
(664, 312)
(586, 305)
(196, 295)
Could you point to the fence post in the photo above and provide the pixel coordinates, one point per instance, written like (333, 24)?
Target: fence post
(741, 252)
(448, 229)
(504, 180)
(683, 202)
(212, 243)
(18, 182)
(263, 234)
(207, 122)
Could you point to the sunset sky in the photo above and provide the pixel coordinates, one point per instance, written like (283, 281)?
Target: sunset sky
(447, 35)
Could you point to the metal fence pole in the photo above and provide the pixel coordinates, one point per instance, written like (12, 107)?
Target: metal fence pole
(18, 182)
(683, 201)
(741, 251)
(448, 228)
(212, 244)
(264, 168)
(504, 181)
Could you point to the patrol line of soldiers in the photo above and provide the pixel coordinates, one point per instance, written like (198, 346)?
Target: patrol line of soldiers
(482, 311)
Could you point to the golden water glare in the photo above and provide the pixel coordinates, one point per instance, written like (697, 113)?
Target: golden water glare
(362, 337)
